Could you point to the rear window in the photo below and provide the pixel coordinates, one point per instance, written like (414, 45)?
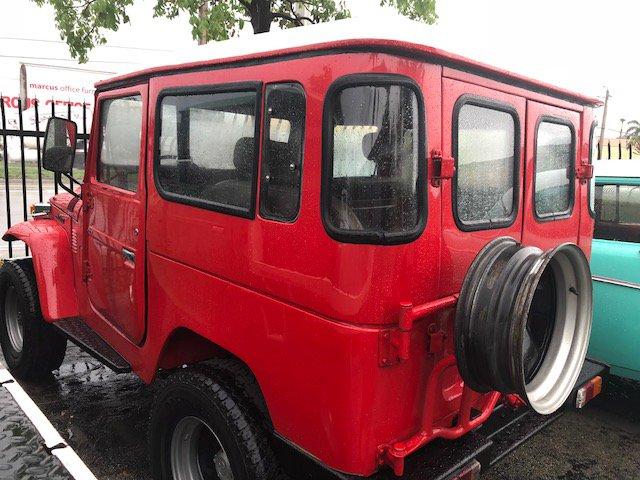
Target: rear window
(208, 148)
(555, 147)
(593, 156)
(486, 142)
(373, 189)
(617, 213)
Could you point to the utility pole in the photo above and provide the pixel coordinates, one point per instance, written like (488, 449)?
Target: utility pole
(604, 119)
(622, 120)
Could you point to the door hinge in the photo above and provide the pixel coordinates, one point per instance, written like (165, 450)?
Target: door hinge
(87, 203)
(389, 345)
(584, 172)
(86, 271)
(443, 167)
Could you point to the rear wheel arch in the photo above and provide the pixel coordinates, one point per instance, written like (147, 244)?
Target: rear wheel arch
(185, 347)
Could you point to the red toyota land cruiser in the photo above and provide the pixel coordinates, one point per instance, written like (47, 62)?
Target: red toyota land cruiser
(338, 258)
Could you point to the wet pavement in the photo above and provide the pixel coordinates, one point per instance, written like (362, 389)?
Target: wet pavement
(104, 417)
(23, 454)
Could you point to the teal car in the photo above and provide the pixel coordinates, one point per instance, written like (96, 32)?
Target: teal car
(615, 266)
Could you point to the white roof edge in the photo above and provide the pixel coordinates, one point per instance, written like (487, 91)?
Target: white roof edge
(617, 168)
(393, 27)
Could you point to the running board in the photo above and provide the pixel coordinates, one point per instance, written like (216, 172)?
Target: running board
(88, 340)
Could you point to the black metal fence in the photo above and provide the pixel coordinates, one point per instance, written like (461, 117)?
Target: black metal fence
(25, 181)
(615, 152)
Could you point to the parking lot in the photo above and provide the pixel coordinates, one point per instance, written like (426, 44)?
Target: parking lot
(104, 418)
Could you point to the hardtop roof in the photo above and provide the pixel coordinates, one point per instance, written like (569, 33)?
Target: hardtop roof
(617, 168)
(400, 37)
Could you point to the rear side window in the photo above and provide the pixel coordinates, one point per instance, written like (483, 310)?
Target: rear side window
(207, 150)
(555, 147)
(373, 186)
(120, 128)
(593, 156)
(617, 213)
(282, 151)
(485, 146)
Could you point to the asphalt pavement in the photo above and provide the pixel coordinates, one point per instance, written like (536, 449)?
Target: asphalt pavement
(104, 416)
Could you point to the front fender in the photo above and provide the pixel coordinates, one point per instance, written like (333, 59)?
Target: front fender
(52, 263)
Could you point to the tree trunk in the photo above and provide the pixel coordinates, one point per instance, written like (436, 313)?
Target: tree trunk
(261, 16)
(203, 12)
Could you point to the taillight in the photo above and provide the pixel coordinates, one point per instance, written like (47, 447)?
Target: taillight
(588, 391)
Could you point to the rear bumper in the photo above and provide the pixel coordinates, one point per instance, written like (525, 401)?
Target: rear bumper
(504, 431)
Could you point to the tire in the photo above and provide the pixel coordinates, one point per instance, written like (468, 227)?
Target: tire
(192, 404)
(40, 348)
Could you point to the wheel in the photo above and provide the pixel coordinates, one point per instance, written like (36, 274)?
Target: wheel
(32, 348)
(202, 430)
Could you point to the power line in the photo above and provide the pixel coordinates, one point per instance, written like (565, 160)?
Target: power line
(114, 62)
(43, 40)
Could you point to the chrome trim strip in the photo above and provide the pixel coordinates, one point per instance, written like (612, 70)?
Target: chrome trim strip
(613, 281)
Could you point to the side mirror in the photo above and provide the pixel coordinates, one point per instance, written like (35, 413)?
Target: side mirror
(59, 145)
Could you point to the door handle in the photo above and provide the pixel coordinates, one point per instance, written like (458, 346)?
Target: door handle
(128, 255)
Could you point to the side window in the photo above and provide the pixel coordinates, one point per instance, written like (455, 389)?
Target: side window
(555, 147)
(593, 156)
(373, 185)
(207, 150)
(120, 128)
(284, 120)
(486, 149)
(617, 213)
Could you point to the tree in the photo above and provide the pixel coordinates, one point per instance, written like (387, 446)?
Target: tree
(83, 23)
(633, 134)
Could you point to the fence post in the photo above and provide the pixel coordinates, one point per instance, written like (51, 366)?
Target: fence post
(53, 114)
(5, 158)
(36, 103)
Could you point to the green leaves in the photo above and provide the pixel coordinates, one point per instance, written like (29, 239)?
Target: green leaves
(422, 10)
(83, 23)
(633, 134)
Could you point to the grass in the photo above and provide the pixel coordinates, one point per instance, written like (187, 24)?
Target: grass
(31, 172)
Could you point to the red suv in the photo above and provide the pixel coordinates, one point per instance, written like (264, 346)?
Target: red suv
(328, 256)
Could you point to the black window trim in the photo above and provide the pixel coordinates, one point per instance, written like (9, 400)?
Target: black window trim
(549, 217)
(237, 87)
(491, 104)
(372, 237)
(276, 218)
(592, 132)
(101, 102)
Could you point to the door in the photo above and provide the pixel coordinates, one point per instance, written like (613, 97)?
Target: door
(483, 133)
(552, 206)
(115, 195)
(615, 265)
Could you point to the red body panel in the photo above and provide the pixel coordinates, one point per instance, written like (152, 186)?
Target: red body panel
(351, 344)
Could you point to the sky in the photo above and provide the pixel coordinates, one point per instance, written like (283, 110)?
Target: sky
(583, 45)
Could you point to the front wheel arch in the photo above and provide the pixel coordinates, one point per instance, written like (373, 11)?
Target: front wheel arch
(52, 265)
